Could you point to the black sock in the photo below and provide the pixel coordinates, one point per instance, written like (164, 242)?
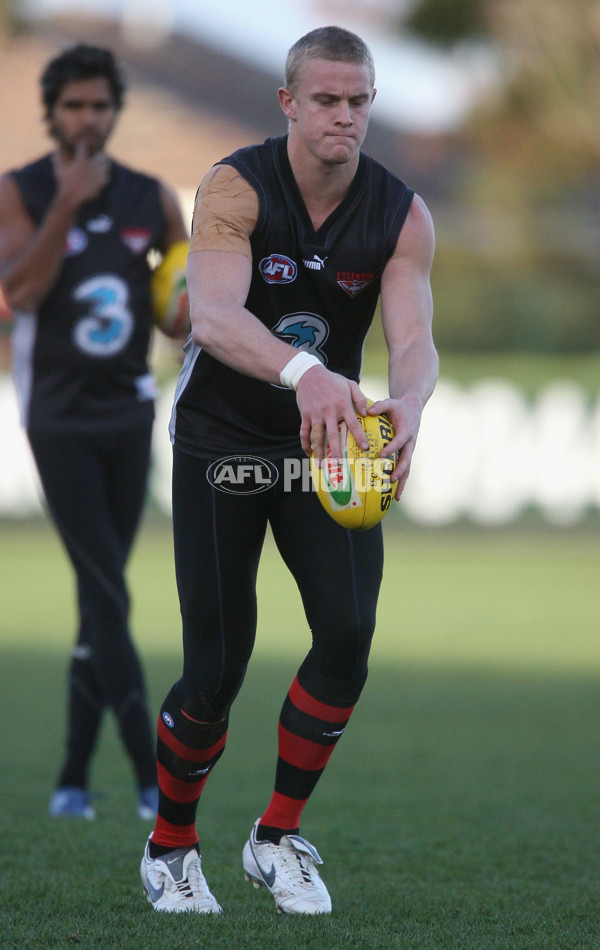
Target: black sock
(267, 833)
(157, 850)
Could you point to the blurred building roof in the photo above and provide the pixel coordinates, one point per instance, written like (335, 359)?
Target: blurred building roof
(421, 87)
(159, 131)
(190, 104)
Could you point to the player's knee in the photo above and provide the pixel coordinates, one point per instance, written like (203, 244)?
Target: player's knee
(342, 653)
(334, 679)
(196, 705)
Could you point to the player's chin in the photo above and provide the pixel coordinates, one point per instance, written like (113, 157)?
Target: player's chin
(340, 152)
(94, 143)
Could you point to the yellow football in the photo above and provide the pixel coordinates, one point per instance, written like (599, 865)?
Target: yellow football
(168, 290)
(356, 489)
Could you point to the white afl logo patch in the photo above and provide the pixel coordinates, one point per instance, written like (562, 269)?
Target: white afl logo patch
(278, 269)
(76, 243)
(242, 475)
(100, 225)
(168, 720)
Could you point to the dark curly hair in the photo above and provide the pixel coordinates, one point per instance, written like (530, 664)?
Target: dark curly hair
(81, 62)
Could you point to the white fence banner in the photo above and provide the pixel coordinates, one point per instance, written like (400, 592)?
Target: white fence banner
(485, 453)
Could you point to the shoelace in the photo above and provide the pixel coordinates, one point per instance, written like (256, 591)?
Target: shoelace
(197, 881)
(185, 888)
(294, 863)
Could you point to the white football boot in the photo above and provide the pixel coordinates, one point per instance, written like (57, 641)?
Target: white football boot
(175, 882)
(288, 870)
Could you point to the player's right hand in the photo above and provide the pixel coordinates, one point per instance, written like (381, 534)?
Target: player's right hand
(325, 399)
(83, 177)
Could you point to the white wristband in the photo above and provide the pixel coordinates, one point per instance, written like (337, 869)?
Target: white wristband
(292, 372)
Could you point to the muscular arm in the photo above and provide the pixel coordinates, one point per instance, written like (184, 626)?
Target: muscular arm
(219, 274)
(407, 312)
(31, 256)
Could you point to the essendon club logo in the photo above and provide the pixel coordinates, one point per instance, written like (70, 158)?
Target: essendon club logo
(136, 239)
(353, 283)
(278, 269)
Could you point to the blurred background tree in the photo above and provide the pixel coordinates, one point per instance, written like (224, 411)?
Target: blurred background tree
(517, 265)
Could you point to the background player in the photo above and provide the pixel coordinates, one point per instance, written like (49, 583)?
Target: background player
(75, 229)
(293, 243)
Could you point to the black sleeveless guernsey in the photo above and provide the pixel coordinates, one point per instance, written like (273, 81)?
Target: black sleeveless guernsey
(316, 290)
(80, 361)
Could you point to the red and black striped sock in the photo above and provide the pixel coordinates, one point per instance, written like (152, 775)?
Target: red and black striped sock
(308, 732)
(186, 752)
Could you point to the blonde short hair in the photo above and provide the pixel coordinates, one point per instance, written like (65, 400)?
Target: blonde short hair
(327, 42)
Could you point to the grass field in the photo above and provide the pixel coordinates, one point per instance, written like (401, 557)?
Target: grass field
(461, 809)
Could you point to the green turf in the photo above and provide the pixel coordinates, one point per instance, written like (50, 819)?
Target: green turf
(460, 810)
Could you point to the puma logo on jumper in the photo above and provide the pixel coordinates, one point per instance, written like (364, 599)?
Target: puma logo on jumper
(317, 263)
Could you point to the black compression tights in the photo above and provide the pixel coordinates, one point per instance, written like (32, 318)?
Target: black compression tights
(95, 487)
(218, 541)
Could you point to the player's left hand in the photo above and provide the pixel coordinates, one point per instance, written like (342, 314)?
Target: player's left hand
(405, 415)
